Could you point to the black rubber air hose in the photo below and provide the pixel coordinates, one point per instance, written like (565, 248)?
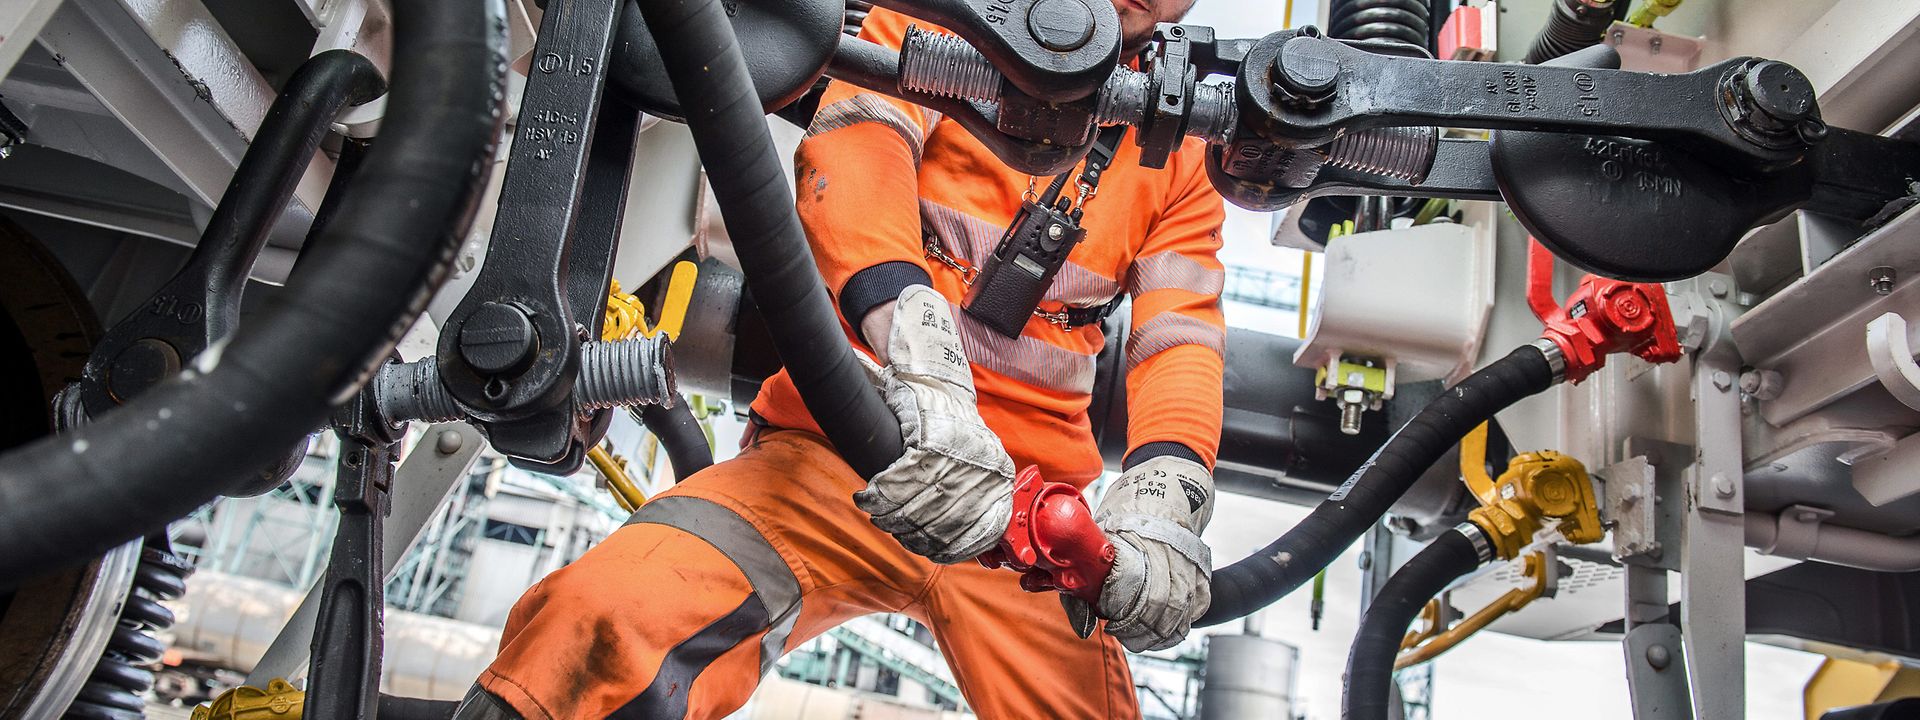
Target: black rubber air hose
(681, 435)
(1283, 565)
(709, 75)
(1369, 681)
(73, 496)
(1571, 25)
(396, 707)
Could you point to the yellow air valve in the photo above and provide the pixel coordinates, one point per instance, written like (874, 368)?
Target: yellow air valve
(1536, 487)
(280, 701)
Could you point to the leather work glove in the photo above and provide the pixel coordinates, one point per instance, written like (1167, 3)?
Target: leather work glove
(950, 496)
(1153, 515)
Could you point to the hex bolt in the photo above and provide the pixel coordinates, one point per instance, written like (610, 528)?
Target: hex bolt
(1723, 487)
(1762, 384)
(1881, 279)
(1658, 657)
(1718, 287)
(1721, 380)
(1352, 402)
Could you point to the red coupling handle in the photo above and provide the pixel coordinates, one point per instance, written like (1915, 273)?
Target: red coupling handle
(1601, 317)
(1052, 540)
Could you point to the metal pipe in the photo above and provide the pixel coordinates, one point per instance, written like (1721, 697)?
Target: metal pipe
(1833, 544)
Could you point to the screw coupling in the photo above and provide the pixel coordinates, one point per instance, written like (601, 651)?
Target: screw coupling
(634, 371)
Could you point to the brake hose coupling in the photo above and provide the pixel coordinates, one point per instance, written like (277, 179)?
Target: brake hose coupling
(635, 371)
(1053, 541)
(1605, 316)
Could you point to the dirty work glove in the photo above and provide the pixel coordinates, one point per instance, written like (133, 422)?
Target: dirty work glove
(950, 496)
(1153, 515)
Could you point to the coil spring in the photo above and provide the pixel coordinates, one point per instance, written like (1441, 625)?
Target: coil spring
(1571, 25)
(1403, 20)
(116, 689)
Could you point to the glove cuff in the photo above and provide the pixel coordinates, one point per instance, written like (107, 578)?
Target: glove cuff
(1167, 487)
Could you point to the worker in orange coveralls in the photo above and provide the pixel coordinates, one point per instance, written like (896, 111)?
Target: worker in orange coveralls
(684, 609)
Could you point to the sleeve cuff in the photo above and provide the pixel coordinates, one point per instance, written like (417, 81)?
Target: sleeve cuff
(1153, 450)
(875, 286)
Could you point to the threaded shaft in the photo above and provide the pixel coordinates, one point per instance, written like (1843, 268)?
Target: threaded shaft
(946, 66)
(635, 371)
(1214, 113)
(1122, 99)
(1350, 418)
(1405, 153)
(412, 391)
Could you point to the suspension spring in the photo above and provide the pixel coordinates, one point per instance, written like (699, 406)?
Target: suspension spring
(117, 687)
(1406, 21)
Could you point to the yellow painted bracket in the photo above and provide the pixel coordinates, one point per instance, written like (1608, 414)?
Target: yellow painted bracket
(626, 315)
(1414, 651)
(280, 701)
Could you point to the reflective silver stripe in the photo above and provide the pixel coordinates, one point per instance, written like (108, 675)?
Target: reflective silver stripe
(868, 108)
(1168, 330)
(972, 239)
(1161, 271)
(1029, 360)
(734, 537)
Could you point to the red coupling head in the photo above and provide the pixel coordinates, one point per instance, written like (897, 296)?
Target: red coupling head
(1606, 316)
(1052, 540)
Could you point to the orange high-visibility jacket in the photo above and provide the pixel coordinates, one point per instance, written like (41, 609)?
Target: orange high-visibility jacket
(874, 174)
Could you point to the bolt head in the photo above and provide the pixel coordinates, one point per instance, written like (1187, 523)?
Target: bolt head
(1659, 657)
(1721, 380)
(498, 339)
(139, 367)
(1060, 25)
(1306, 67)
(1718, 287)
(448, 442)
(1780, 91)
(1723, 486)
(1881, 279)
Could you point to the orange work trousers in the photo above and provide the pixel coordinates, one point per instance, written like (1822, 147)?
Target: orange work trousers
(679, 613)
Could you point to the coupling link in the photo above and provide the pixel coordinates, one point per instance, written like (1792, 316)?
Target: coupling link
(634, 371)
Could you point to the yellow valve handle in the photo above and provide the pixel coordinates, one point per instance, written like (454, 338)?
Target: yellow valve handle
(625, 491)
(280, 701)
(1473, 465)
(626, 315)
(1440, 642)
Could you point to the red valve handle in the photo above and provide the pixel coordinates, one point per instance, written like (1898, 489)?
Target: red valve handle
(1052, 540)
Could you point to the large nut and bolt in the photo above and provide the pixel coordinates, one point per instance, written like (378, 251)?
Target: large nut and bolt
(1060, 25)
(1305, 71)
(498, 339)
(1881, 279)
